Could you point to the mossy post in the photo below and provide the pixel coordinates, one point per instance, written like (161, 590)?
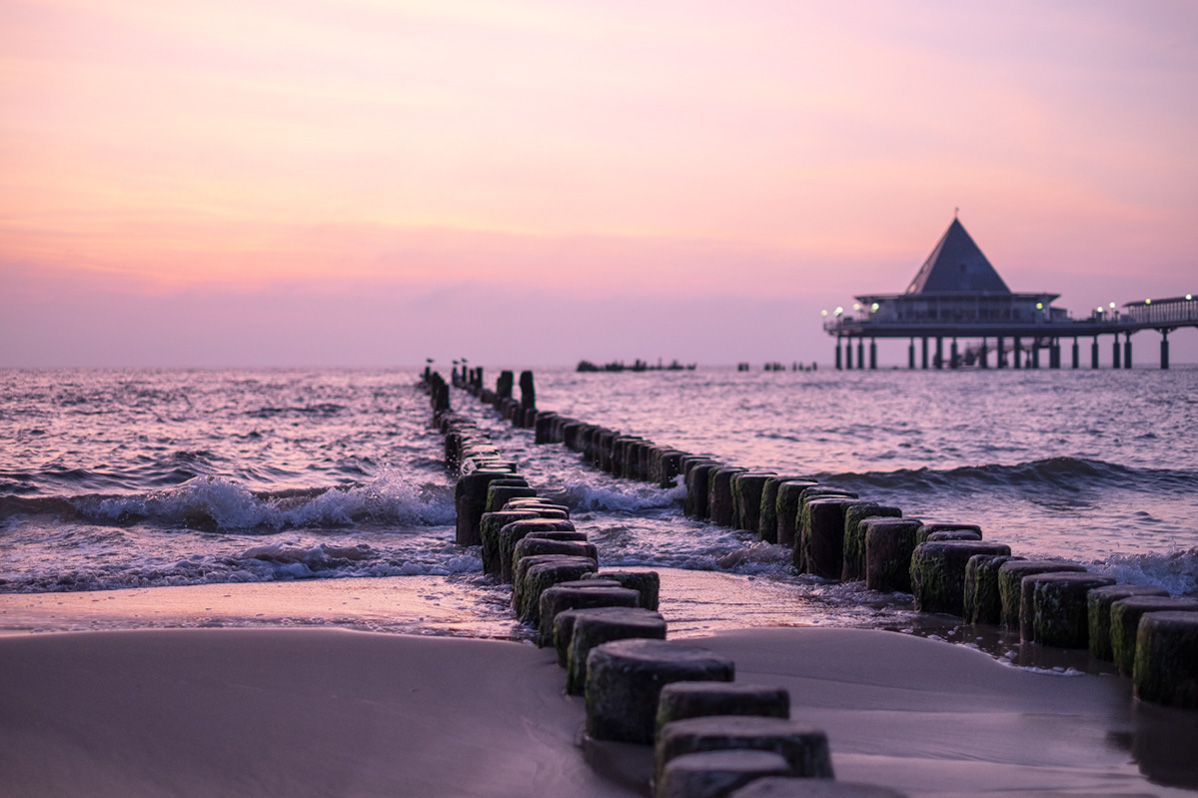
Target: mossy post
(605, 449)
(583, 630)
(746, 494)
(804, 747)
(646, 583)
(470, 501)
(682, 700)
(503, 385)
(938, 573)
(530, 546)
(571, 431)
(802, 531)
(624, 681)
(983, 604)
(563, 628)
(489, 526)
(889, 543)
(1166, 663)
(649, 454)
(544, 426)
(953, 534)
(500, 491)
(577, 595)
(822, 543)
(1098, 613)
(615, 464)
(453, 449)
(698, 489)
(541, 576)
(719, 502)
(1010, 579)
(714, 774)
(854, 535)
(528, 392)
(513, 533)
(669, 467)
(935, 528)
(790, 494)
(767, 512)
(1059, 610)
(1125, 622)
(544, 507)
(634, 466)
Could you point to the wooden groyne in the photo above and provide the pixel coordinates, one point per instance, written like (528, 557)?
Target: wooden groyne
(612, 642)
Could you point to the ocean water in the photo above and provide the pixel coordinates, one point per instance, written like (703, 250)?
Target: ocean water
(140, 478)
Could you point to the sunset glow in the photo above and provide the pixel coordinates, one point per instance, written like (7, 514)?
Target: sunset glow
(210, 174)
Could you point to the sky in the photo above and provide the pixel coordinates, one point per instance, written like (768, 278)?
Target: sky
(374, 182)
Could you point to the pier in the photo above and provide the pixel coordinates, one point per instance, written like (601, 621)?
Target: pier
(957, 296)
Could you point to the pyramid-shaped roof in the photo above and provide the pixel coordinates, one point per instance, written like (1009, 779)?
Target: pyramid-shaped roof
(957, 266)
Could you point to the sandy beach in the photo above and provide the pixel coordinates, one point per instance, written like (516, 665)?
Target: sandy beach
(318, 711)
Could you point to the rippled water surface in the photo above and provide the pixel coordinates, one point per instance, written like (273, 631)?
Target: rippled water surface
(139, 478)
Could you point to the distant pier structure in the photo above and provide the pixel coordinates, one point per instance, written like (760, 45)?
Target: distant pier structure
(958, 296)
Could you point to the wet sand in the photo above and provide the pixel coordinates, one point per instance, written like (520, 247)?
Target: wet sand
(276, 711)
(695, 603)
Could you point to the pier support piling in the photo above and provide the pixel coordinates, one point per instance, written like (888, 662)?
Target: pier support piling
(984, 355)
(1164, 349)
(911, 354)
(953, 360)
(1017, 354)
(873, 354)
(848, 355)
(924, 342)
(939, 352)
(838, 361)
(1127, 350)
(1002, 356)
(1076, 354)
(1116, 353)
(1094, 354)
(860, 354)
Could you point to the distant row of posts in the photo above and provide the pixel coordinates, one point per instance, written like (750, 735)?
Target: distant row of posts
(1020, 356)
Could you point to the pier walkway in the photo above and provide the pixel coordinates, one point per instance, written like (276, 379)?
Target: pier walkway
(1026, 339)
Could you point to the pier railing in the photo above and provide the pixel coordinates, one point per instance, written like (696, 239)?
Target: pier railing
(1181, 310)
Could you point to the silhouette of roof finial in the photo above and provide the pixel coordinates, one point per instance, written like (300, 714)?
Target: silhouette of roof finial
(955, 212)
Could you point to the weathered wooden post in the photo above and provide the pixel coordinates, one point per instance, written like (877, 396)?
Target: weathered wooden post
(528, 393)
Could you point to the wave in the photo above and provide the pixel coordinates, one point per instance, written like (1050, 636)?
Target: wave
(1176, 572)
(277, 562)
(319, 409)
(145, 473)
(1055, 473)
(213, 503)
(629, 498)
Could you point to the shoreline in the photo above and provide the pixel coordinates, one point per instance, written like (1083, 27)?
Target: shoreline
(695, 604)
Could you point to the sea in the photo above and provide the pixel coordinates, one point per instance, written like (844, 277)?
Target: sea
(116, 479)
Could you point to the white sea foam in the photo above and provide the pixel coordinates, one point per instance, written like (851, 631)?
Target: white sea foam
(1176, 572)
(216, 503)
(630, 497)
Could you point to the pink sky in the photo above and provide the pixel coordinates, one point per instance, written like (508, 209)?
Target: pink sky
(270, 182)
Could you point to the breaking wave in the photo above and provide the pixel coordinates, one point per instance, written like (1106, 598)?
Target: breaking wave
(214, 503)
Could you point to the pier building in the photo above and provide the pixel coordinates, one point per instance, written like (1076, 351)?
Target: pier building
(957, 295)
